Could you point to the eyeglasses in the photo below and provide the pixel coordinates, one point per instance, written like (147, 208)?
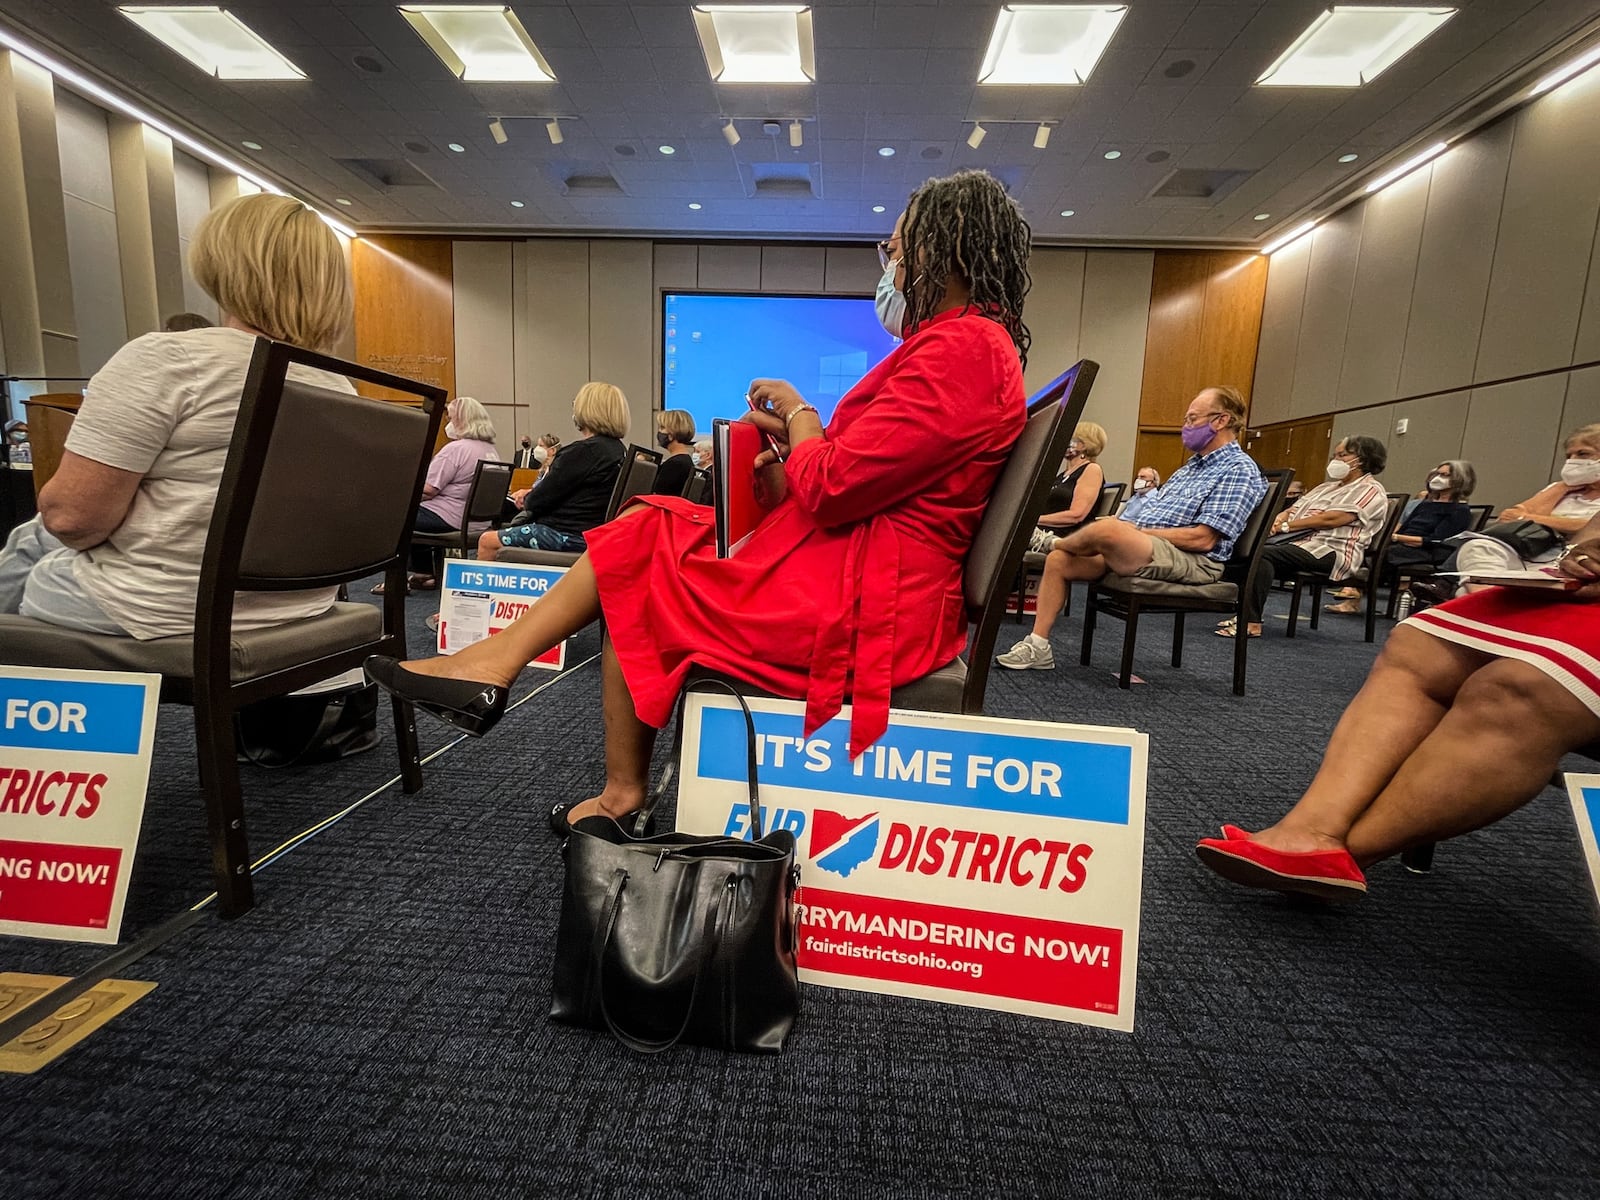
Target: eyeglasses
(887, 253)
(1189, 422)
(1345, 454)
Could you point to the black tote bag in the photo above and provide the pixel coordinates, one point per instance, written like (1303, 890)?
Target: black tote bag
(677, 938)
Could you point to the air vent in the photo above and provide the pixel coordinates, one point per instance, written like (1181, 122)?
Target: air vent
(1199, 183)
(387, 172)
(593, 183)
(784, 179)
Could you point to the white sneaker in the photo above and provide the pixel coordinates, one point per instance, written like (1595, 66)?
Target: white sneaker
(1025, 656)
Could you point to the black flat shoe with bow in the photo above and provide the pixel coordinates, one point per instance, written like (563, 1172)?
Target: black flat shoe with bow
(473, 708)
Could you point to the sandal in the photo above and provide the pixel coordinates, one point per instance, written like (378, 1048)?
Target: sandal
(1349, 608)
(1232, 631)
(422, 583)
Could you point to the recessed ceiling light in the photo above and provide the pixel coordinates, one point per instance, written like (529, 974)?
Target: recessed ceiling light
(1348, 158)
(1348, 46)
(694, 205)
(667, 149)
(1068, 212)
(1261, 216)
(217, 42)
(479, 42)
(1294, 235)
(1113, 154)
(1048, 45)
(885, 151)
(517, 204)
(1405, 168)
(1576, 67)
(877, 208)
(457, 147)
(341, 200)
(768, 43)
(251, 145)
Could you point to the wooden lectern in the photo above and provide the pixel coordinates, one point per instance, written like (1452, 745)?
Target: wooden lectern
(50, 416)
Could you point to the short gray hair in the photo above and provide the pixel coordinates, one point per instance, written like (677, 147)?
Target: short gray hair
(1462, 477)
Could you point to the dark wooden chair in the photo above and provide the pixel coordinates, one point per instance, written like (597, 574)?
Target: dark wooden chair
(1008, 522)
(1401, 578)
(485, 509)
(1367, 579)
(1130, 597)
(319, 489)
(698, 489)
(1033, 561)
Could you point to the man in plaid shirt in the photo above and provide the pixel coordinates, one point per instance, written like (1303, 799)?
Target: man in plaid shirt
(1183, 534)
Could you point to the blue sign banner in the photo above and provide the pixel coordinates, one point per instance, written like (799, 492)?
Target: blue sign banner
(464, 576)
(47, 714)
(1047, 777)
(1591, 808)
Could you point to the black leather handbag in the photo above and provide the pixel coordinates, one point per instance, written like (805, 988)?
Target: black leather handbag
(677, 938)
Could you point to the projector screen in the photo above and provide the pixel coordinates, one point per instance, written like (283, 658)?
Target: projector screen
(714, 344)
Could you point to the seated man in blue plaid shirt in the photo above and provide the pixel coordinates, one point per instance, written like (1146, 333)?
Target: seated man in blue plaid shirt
(1183, 534)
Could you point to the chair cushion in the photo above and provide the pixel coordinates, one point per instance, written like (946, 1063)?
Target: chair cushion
(537, 558)
(1033, 558)
(25, 642)
(1220, 593)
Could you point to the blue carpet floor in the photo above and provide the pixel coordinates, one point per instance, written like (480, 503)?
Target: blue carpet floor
(377, 1026)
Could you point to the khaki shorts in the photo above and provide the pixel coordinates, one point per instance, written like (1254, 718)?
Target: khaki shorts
(1171, 565)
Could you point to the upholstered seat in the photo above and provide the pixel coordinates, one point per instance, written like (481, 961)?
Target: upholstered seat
(31, 643)
(1222, 593)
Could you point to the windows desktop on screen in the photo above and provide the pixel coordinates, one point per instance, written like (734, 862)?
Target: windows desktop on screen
(714, 345)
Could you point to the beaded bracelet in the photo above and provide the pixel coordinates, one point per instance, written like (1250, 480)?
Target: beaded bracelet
(796, 411)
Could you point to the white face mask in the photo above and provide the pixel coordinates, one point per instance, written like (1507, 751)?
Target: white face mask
(1337, 470)
(1142, 485)
(1438, 483)
(450, 430)
(1580, 472)
(891, 303)
(541, 455)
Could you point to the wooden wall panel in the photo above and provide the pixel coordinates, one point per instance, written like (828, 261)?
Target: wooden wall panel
(1452, 284)
(1547, 235)
(1280, 333)
(1172, 369)
(1230, 335)
(793, 268)
(405, 309)
(1326, 315)
(1303, 446)
(1158, 448)
(1054, 314)
(1391, 238)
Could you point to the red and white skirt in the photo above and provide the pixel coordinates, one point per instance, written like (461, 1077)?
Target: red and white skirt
(1559, 637)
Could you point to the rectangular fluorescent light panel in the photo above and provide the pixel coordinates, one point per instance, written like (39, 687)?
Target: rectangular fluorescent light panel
(1571, 71)
(751, 44)
(1048, 45)
(1347, 47)
(480, 43)
(215, 41)
(1294, 235)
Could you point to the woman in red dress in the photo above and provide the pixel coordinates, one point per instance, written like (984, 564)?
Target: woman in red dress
(1464, 718)
(852, 584)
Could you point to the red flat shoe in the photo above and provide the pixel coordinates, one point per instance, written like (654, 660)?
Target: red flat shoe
(1326, 874)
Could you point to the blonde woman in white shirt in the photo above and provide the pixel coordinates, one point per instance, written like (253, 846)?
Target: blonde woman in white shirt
(122, 525)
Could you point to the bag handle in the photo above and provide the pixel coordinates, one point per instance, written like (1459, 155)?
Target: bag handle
(757, 827)
(710, 944)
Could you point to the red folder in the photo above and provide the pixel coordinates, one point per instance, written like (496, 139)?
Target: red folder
(734, 447)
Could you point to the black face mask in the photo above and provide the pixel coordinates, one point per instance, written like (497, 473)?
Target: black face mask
(663, 440)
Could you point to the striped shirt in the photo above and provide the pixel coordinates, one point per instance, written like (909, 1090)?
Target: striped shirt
(1364, 497)
(1218, 490)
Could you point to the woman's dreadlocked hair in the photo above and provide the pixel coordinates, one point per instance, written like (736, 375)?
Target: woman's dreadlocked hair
(966, 225)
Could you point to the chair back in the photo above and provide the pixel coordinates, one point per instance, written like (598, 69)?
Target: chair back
(1480, 516)
(320, 486)
(636, 478)
(1110, 497)
(698, 489)
(1252, 538)
(1378, 552)
(1018, 498)
(491, 483)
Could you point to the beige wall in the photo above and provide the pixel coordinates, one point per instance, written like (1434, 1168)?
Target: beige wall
(535, 320)
(1423, 303)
